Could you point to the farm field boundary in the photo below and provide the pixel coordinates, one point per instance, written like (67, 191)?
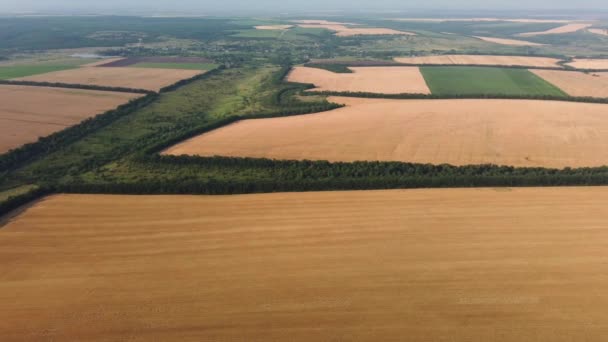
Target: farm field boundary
(57, 140)
(77, 86)
(407, 96)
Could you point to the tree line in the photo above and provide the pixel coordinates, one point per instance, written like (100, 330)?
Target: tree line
(77, 86)
(57, 140)
(409, 96)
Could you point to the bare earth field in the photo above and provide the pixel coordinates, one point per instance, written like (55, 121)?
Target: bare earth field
(589, 63)
(457, 132)
(501, 265)
(481, 60)
(513, 42)
(569, 28)
(603, 32)
(386, 80)
(273, 27)
(577, 83)
(27, 113)
(141, 78)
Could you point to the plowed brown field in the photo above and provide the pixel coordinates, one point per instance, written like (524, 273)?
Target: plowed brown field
(458, 132)
(385, 80)
(27, 113)
(577, 83)
(481, 60)
(505, 265)
(140, 78)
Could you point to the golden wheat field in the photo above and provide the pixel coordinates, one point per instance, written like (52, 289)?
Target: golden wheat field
(504, 41)
(27, 113)
(589, 63)
(568, 28)
(421, 265)
(458, 132)
(385, 80)
(577, 83)
(481, 60)
(341, 30)
(127, 77)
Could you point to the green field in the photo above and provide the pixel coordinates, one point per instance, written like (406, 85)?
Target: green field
(189, 66)
(8, 72)
(486, 80)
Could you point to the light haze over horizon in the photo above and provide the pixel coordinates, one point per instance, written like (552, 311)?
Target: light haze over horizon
(277, 6)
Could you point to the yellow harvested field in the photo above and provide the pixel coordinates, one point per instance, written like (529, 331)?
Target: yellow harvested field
(502, 41)
(345, 31)
(482, 60)
(440, 20)
(320, 22)
(589, 63)
(457, 132)
(577, 83)
(27, 113)
(273, 27)
(569, 28)
(128, 77)
(603, 32)
(385, 80)
(501, 265)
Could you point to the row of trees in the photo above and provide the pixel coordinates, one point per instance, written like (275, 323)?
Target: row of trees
(57, 140)
(462, 96)
(77, 86)
(15, 202)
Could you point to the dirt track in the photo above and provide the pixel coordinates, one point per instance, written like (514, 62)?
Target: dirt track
(577, 83)
(458, 132)
(482, 60)
(385, 80)
(504, 265)
(27, 113)
(140, 78)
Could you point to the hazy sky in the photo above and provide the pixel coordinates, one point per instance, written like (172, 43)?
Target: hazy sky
(211, 6)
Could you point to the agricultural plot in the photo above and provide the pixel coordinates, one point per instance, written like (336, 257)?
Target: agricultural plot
(514, 20)
(482, 60)
(504, 41)
(568, 28)
(603, 32)
(485, 80)
(458, 132)
(432, 265)
(127, 77)
(273, 27)
(386, 80)
(27, 113)
(167, 61)
(577, 83)
(15, 71)
(349, 30)
(589, 63)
